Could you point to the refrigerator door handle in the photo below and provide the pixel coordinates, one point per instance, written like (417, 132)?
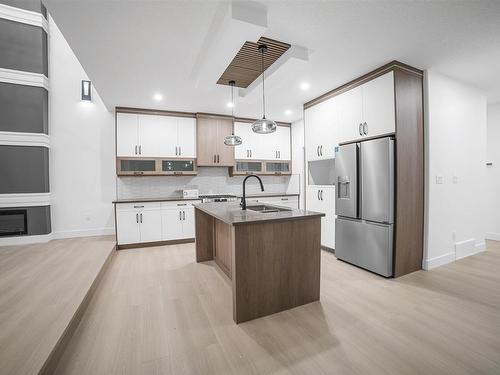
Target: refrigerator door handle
(365, 128)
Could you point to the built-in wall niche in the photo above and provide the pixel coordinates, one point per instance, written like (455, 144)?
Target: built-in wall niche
(321, 172)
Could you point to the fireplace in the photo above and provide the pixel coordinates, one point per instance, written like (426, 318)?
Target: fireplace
(13, 222)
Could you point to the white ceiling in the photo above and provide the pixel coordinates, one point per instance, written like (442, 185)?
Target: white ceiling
(133, 49)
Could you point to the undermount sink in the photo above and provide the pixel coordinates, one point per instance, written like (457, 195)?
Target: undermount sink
(263, 208)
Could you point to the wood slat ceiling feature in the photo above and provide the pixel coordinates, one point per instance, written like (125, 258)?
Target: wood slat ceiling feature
(247, 64)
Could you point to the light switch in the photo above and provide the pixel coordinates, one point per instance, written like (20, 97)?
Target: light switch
(439, 180)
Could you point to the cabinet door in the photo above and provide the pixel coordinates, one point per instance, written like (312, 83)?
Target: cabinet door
(171, 222)
(312, 131)
(378, 106)
(330, 127)
(225, 154)
(283, 142)
(327, 196)
(322, 199)
(126, 134)
(151, 227)
(188, 228)
(350, 106)
(127, 227)
(206, 141)
(244, 130)
(157, 136)
(186, 137)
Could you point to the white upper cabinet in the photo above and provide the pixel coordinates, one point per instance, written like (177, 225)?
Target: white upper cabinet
(249, 144)
(155, 136)
(322, 126)
(368, 110)
(126, 134)
(186, 137)
(379, 113)
(351, 114)
(274, 146)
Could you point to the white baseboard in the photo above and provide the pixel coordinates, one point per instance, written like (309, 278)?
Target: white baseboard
(25, 240)
(493, 236)
(84, 233)
(462, 250)
(477, 248)
(439, 261)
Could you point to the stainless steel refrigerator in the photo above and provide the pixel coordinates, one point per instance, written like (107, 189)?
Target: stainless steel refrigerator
(364, 204)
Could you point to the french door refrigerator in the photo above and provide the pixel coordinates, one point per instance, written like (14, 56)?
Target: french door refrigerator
(364, 204)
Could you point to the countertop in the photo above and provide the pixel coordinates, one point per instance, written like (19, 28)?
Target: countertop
(231, 213)
(180, 198)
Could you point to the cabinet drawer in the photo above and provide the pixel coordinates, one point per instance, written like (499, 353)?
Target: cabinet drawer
(179, 204)
(138, 206)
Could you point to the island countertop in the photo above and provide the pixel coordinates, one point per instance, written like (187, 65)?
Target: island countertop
(231, 213)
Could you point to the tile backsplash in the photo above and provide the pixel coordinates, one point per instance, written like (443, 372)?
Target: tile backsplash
(209, 180)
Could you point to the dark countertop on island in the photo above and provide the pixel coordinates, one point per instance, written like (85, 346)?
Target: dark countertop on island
(180, 198)
(231, 213)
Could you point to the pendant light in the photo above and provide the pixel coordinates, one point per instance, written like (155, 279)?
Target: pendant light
(232, 140)
(263, 126)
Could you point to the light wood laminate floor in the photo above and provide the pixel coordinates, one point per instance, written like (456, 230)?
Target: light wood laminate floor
(158, 312)
(41, 288)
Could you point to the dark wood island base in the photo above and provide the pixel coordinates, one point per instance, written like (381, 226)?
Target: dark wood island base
(273, 260)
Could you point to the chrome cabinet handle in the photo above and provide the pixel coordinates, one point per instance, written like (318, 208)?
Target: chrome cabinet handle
(137, 218)
(279, 154)
(140, 149)
(180, 150)
(218, 158)
(359, 128)
(180, 215)
(321, 150)
(141, 217)
(138, 206)
(284, 199)
(321, 194)
(365, 128)
(317, 150)
(318, 195)
(215, 158)
(183, 215)
(136, 149)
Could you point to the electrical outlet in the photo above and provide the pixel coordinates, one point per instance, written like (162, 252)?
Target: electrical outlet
(439, 180)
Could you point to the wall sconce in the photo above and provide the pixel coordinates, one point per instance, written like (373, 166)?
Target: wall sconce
(87, 90)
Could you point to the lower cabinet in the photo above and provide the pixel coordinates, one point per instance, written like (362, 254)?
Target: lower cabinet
(177, 221)
(154, 221)
(322, 199)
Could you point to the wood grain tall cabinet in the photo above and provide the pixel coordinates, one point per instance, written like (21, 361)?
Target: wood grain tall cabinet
(211, 130)
(409, 163)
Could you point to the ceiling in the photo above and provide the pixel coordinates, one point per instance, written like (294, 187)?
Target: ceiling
(134, 49)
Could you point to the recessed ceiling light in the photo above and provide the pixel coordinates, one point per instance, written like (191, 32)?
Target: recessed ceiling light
(288, 112)
(305, 86)
(158, 97)
(230, 104)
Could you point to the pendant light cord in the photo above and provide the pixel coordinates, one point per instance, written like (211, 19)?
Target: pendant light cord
(263, 95)
(232, 100)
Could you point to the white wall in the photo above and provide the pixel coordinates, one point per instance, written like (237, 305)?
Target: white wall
(455, 146)
(298, 156)
(82, 171)
(493, 173)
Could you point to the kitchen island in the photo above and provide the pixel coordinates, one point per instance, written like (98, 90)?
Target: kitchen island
(272, 255)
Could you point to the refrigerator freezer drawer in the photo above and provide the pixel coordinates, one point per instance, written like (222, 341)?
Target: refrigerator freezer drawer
(367, 245)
